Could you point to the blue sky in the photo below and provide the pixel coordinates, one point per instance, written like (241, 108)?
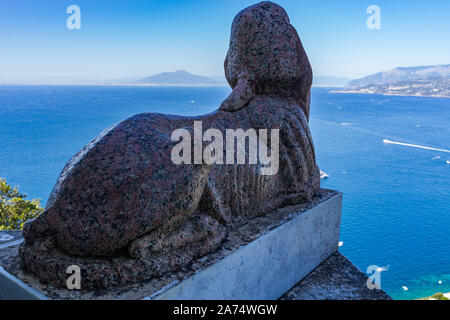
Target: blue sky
(140, 38)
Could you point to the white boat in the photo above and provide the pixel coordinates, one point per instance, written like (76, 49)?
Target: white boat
(323, 175)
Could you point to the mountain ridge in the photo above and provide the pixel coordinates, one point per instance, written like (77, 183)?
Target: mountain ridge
(179, 77)
(421, 81)
(403, 74)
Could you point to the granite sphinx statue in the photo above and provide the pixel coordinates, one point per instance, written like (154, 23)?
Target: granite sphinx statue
(124, 212)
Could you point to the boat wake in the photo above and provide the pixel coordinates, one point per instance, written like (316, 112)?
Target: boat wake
(386, 141)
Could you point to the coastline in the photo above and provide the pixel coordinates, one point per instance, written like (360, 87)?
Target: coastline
(388, 94)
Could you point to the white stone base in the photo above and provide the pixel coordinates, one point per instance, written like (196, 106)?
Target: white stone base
(271, 265)
(12, 288)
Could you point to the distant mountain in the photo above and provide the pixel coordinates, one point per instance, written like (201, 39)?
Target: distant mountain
(178, 78)
(425, 81)
(325, 81)
(403, 74)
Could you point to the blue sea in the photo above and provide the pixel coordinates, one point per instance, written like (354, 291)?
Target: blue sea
(396, 197)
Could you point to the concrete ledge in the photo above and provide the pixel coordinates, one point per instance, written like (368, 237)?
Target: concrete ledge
(335, 279)
(261, 260)
(12, 288)
(268, 267)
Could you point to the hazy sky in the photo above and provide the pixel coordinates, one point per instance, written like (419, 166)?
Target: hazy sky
(140, 38)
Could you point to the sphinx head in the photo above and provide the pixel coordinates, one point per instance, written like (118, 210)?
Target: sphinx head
(266, 56)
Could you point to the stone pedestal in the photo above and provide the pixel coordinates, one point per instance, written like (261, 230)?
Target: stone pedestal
(272, 264)
(261, 260)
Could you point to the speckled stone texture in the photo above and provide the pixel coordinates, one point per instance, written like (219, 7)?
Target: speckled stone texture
(266, 57)
(335, 279)
(124, 212)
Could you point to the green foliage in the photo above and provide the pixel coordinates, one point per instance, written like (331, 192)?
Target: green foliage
(14, 209)
(437, 296)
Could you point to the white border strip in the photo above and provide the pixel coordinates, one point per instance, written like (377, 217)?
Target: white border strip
(11, 288)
